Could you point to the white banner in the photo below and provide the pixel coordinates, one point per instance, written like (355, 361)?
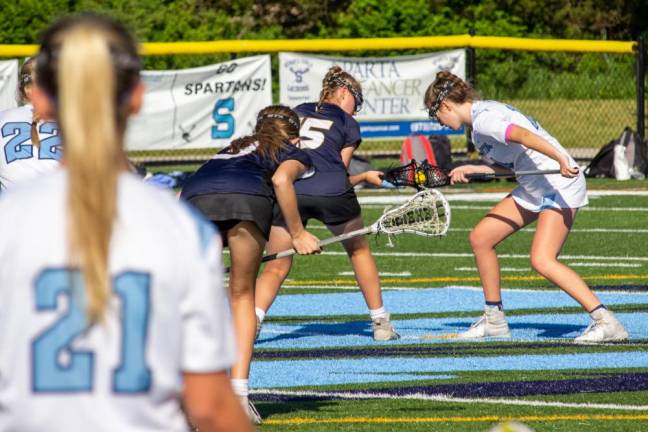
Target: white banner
(201, 107)
(393, 87)
(8, 84)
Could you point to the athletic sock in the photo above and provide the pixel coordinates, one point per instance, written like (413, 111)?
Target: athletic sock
(240, 387)
(497, 304)
(260, 314)
(378, 313)
(601, 306)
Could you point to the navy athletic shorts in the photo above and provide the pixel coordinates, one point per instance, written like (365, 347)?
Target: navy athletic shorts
(227, 209)
(330, 210)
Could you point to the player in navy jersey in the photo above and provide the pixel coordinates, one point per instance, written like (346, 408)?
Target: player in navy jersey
(330, 135)
(237, 190)
(113, 313)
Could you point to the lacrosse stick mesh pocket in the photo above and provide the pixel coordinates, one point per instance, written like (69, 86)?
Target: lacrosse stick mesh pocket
(426, 213)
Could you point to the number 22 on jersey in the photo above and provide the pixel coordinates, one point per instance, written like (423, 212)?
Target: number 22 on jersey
(57, 366)
(17, 148)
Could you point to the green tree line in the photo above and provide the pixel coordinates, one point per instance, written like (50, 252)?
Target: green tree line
(500, 73)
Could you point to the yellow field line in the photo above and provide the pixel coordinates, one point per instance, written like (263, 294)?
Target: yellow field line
(385, 420)
(296, 282)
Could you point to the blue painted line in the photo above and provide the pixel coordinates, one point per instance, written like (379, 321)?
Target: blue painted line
(314, 334)
(296, 373)
(433, 299)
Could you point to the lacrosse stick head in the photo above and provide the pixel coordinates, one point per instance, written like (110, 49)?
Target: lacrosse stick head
(427, 213)
(431, 176)
(419, 176)
(403, 175)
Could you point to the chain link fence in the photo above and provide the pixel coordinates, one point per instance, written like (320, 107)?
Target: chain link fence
(583, 99)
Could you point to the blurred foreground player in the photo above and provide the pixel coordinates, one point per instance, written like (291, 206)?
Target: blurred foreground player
(112, 310)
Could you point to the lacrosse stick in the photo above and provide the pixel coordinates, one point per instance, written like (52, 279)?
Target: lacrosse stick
(430, 176)
(427, 214)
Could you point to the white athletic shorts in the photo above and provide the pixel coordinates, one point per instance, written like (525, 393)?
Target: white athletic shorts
(537, 193)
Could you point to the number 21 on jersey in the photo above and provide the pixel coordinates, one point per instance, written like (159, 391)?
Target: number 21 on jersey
(57, 366)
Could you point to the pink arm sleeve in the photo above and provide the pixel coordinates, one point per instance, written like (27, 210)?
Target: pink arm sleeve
(507, 134)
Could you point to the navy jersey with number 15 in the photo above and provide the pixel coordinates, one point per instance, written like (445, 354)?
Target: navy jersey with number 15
(324, 134)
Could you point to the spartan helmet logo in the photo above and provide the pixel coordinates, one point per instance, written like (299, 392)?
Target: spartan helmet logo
(299, 67)
(186, 134)
(446, 62)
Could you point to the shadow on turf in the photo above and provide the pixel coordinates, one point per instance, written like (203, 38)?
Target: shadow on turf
(349, 328)
(267, 409)
(546, 330)
(363, 328)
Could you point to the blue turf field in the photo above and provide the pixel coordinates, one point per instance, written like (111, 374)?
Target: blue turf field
(433, 300)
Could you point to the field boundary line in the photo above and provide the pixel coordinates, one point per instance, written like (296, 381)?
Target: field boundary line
(446, 398)
(506, 256)
(482, 196)
(454, 279)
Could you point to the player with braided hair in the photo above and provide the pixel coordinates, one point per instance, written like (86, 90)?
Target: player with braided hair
(509, 140)
(236, 190)
(22, 132)
(330, 135)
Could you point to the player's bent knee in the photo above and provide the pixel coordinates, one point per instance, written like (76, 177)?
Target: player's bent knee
(542, 263)
(478, 240)
(241, 289)
(278, 268)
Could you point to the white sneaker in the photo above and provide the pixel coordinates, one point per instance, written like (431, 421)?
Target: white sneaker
(491, 324)
(383, 329)
(603, 328)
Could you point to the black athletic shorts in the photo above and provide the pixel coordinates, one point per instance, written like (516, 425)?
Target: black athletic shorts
(227, 209)
(330, 210)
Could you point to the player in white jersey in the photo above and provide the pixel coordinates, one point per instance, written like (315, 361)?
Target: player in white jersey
(113, 310)
(509, 140)
(28, 145)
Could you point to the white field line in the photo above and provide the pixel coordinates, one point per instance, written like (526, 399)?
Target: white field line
(506, 256)
(571, 264)
(483, 196)
(463, 287)
(503, 269)
(444, 398)
(602, 209)
(584, 230)
(486, 207)
(391, 274)
(588, 264)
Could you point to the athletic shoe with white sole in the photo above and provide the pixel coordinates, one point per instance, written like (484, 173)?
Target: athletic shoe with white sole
(491, 324)
(383, 329)
(603, 328)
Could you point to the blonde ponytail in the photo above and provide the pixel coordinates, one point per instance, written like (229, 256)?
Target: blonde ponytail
(93, 151)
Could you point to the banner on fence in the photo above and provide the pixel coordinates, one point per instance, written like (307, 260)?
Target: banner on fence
(8, 84)
(393, 88)
(201, 107)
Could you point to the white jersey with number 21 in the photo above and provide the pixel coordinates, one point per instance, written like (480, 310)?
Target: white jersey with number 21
(167, 313)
